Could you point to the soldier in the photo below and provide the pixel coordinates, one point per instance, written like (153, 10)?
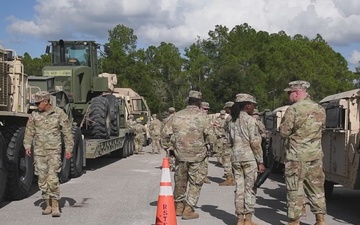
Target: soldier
(45, 126)
(259, 124)
(247, 156)
(169, 152)
(155, 127)
(205, 108)
(225, 147)
(130, 122)
(302, 127)
(188, 131)
(139, 136)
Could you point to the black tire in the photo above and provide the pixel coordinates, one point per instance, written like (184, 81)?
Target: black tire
(3, 167)
(64, 175)
(329, 189)
(77, 158)
(125, 148)
(99, 117)
(20, 167)
(114, 115)
(132, 144)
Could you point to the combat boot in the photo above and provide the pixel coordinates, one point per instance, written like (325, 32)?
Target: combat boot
(179, 208)
(207, 180)
(294, 222)
(55, 208)
(47, 210)
(228, 182)
(248, 219)
(320, 219)
(189, 214)
(241, 220)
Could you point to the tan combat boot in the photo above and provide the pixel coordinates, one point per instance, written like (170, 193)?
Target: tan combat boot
(228, 182)
(55, 208)
(179, 208)
(47, 210)
(241, 220)
(294, 222)
(248, 219)
(207, 180)
(320, 219)
(189, 213)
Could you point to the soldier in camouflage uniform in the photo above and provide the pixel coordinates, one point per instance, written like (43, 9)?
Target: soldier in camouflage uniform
(154, 128)
(205, 108)
(169, 149)
(45, 126)
(188, 131)
(226, 149)
(130, 122)
(259, 124)
(247, 156)
(139, 136)
(302, 127)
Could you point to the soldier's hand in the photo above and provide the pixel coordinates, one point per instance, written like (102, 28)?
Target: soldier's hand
(28, 151)
(68, 155)
(261, 168)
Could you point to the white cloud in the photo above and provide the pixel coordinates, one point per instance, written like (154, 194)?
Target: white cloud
(354, 57)
(181, 21)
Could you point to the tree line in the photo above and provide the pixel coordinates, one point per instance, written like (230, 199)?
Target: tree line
(221, 65)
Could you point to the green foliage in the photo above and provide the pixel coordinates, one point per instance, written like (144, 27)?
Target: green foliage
(227, 62)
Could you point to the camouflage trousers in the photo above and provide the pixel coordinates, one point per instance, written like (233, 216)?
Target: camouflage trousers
(138, 144)
(47, 169)
(226, 156)
(245, 177)
(304, 179)
(155, 144)
(192, 173)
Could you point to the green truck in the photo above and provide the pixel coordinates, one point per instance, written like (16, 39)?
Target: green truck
(98, 117)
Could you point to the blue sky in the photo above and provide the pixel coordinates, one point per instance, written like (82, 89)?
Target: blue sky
(27, 25)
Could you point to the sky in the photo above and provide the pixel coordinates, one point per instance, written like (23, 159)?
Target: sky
(28, 25)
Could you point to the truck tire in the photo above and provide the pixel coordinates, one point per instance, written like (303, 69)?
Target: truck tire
(64, 175)
(114, 115)
(132, 144)
(99, 117)
(125, 148)
(20, 167)
(329, 189)
(3, 163)
(77, 158)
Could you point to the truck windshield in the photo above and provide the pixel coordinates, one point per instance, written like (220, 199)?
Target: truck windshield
(75, 54)
(139, 105)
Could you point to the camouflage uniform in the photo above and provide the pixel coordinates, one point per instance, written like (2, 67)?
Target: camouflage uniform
(205, 106)
(45, 128)
(139, 136)
(302, 126)
(246, 154)
(130, 122)
(170, 150)
(155, 127)
(187, 129)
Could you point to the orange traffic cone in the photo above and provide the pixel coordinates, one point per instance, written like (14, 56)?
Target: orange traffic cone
(165, 214)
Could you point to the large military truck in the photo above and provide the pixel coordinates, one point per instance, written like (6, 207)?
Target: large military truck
(341, 140)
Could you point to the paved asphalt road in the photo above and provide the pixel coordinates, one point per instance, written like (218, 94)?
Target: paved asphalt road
(125, 192)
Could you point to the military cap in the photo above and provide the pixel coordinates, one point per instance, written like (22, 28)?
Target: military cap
(228, 104)
(195, 94)
(222, 112)
(138, 120)
(41, 96)
(171, 109)
(297, 85)
(154, 115)
(256, 112)
(131, 116)
(245, 98)
(205, 105)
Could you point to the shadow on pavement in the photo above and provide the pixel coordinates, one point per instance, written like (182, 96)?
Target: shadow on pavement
(226, 217)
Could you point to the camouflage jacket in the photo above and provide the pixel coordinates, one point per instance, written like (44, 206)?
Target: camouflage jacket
(139, 130)
(155, 127)
(189, 130)
(165, 139)
(261, 128)
(302, 125)
(45, 129)
(219, 127)
(130, 124)
(246, 140)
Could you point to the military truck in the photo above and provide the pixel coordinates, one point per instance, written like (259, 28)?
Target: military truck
(341, 140)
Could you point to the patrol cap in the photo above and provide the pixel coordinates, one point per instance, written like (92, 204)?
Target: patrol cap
(222, 112)
(256, 112)
(138, 120)
(297, 85)
(131, 116)
(205, 105)
(171, 109)
(154, 115)
(245, 98)
(228, 104)
(41, 96)
(195, 94)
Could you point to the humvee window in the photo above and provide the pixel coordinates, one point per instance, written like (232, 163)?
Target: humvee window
(335, 115)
